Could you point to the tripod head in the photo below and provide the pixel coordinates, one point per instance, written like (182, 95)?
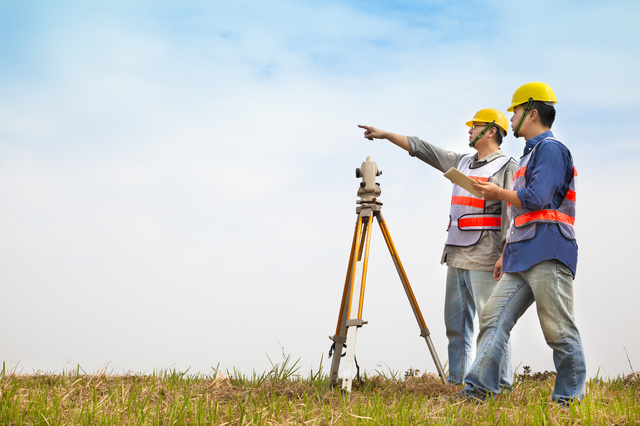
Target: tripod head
(369, 190)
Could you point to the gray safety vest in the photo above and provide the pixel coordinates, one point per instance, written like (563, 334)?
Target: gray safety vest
(523, 222)
(468, 216)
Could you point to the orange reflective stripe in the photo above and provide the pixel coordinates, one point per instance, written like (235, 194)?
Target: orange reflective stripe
(468, 201)
(479, 221)
(571, 195)
(551, 215)
(479, 179)
(519, 172)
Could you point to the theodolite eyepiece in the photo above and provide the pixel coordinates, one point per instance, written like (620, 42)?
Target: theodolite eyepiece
(368, 166)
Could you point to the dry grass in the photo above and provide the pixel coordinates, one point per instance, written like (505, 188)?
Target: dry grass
(278, 398)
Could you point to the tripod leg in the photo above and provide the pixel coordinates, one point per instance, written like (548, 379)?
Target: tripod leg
(367, 231)
(347, 293)
(354, 324)
(424, 331)
(350, 356)
(340, 338)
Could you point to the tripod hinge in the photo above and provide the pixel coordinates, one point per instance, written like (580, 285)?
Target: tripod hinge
(356, 322)
(425, 332)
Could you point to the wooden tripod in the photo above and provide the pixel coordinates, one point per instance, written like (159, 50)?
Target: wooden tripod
(346, 330)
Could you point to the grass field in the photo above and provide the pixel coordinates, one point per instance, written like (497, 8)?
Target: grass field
(283, 397)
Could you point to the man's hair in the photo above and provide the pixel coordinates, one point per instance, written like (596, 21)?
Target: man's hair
(547, 113)
(498, 135)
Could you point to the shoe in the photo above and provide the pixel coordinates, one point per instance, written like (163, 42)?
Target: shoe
(567, 403)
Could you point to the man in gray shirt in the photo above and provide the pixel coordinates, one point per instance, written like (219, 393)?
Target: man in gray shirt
(476, 233)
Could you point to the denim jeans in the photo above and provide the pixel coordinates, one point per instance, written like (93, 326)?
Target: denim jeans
(466, 293)
(550, 285)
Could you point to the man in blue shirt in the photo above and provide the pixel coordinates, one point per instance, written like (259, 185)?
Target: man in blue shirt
(540, 257)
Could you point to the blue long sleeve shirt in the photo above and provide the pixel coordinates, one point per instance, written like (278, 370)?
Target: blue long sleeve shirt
(547, 177)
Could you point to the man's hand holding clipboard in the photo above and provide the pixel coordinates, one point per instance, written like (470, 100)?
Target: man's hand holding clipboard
(486, 190)
(459, 178)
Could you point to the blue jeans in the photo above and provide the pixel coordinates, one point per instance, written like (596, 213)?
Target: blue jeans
(466, 293)
(550, 285)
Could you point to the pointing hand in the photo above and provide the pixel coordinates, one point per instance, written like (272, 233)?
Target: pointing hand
(372, 133)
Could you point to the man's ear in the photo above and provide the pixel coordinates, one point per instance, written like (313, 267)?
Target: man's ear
(533, 114)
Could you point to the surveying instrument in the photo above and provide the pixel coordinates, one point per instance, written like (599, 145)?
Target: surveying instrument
(369, 206)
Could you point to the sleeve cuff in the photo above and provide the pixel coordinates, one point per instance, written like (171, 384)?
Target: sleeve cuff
(520, 194)
(412, 145)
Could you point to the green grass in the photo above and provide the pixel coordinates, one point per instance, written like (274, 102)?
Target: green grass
(282, 396)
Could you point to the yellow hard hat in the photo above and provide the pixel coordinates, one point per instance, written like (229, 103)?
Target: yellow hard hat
(489, 115)
(536, 91)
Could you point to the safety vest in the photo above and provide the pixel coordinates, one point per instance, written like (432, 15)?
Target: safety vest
(523, 222)
(468, 216)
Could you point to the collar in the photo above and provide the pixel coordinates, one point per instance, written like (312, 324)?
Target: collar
(476, 163)
(531, 143)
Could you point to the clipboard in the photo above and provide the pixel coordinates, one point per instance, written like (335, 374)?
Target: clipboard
(459, 178)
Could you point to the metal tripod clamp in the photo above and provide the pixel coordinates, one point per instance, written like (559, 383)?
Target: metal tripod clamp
(356, 322)
(339, 339)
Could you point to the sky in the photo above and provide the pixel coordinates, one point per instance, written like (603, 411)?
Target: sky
(177, 186)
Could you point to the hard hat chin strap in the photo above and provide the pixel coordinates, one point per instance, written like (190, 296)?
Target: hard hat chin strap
(481, 134)
(527, 108)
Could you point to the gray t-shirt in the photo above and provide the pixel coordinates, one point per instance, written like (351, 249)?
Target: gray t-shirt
(483, 255)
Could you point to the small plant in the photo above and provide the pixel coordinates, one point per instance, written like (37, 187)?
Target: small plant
(410, 373)
(538, 377)
(285, 370)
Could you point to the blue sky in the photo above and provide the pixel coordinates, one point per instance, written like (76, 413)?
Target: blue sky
(177, 177)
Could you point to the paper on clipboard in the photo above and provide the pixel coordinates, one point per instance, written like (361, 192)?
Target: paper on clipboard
(459, 178)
